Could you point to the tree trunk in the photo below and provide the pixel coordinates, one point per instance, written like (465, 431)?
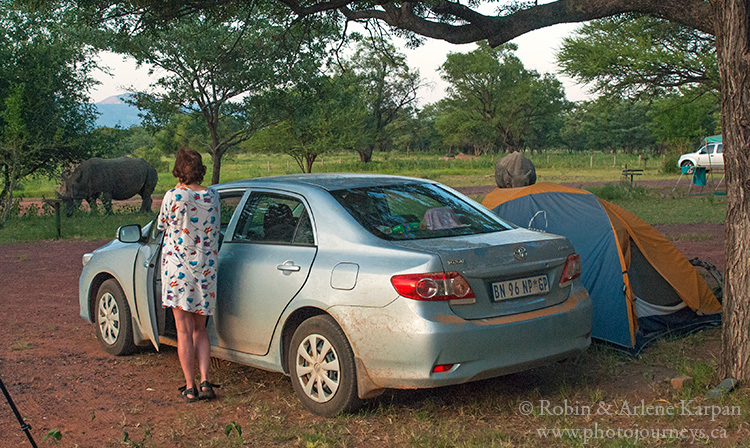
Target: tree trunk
(733, 52)
(8, 200)
(216, 172)
(365, 155)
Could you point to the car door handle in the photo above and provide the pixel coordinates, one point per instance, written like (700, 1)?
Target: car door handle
(289, 266)
(148, 264)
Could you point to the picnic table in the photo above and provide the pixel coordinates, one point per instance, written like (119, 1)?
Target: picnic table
(631, 173)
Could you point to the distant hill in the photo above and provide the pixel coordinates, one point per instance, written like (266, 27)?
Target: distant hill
(113, 111)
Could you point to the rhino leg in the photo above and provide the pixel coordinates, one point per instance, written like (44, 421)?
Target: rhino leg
(71, 205)
(146, 204)
(107, 203)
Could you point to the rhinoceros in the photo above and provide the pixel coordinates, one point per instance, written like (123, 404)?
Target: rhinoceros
(119, 179)
(514, 170)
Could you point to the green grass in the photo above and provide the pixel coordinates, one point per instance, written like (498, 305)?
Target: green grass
(652, 206)
(552, 166)
(82, 226)
(678, 210)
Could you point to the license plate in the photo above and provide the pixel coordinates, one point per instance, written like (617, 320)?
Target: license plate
(520, 287)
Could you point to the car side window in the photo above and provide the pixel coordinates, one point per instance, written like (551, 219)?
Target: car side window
(275, 219)
(229, 203)
(719, 148)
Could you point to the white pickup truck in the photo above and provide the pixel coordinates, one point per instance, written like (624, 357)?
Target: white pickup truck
(710, 155)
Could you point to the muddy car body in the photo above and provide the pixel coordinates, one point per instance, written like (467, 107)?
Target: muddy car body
(352, 284)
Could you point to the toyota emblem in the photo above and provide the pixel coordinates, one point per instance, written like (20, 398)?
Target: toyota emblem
(520, 253)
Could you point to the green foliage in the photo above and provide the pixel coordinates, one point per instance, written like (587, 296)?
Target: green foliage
(608, 124)
(682, 120)
(108, 143)
(222, 70)
(153, 156)
(495, 103)
(668, 164)
(387, 88)
(326, 114)
(53, 434)
(132, 443)
(234, 427)
(630, 54)
(44, 112)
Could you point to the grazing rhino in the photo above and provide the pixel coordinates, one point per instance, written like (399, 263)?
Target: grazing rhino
(514, 170)
(109, 179)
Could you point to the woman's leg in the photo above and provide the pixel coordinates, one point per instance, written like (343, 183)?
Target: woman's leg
(185, 347)
(201, 345)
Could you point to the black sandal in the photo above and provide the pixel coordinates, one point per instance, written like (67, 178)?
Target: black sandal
(186, 393)
(207, 394)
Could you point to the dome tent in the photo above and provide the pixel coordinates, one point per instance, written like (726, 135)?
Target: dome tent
(641, 286)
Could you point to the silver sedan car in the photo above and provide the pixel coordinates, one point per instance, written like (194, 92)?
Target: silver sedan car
(352, 284)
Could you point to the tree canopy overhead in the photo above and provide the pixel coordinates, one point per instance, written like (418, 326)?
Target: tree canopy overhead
(631, 54)
(452, 21)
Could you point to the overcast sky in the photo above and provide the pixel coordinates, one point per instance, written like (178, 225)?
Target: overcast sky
(536, 50)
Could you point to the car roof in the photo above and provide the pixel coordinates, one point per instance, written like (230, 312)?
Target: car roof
(326, 181)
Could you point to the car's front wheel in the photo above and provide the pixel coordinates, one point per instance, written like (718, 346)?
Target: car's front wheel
(113, 324)
(688, 164)
(321, 365)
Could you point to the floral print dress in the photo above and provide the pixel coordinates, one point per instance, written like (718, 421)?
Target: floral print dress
(190, 248)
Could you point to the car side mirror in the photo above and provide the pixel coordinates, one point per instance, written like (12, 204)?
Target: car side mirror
(130, 233)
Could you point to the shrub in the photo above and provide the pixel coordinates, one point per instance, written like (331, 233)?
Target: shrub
(153, 157)
(669, 162)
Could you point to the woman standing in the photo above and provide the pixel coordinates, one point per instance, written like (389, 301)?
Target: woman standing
(189, 215)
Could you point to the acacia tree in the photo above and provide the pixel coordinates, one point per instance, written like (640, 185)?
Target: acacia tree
(456, 22)
(632, 54)
(219, 68)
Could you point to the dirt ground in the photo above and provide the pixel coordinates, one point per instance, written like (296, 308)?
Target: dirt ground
(59, 377)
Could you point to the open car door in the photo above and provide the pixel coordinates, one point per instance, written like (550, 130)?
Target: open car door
(145, 271)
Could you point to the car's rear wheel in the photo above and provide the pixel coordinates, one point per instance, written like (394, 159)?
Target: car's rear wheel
(322, 367)
(113, 324)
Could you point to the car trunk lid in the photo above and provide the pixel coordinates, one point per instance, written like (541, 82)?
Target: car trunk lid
(510, 272)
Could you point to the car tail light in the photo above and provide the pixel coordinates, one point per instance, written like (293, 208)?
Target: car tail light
(571, 271)
(442, 368)
(433, 287)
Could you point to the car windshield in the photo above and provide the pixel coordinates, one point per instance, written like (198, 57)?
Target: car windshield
(415, 211)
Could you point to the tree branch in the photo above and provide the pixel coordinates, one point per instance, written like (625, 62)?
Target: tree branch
(471, 26)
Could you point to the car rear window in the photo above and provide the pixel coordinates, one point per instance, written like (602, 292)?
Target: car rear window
(415, 211)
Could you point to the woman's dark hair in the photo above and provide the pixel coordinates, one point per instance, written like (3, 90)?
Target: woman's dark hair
(189, 167)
